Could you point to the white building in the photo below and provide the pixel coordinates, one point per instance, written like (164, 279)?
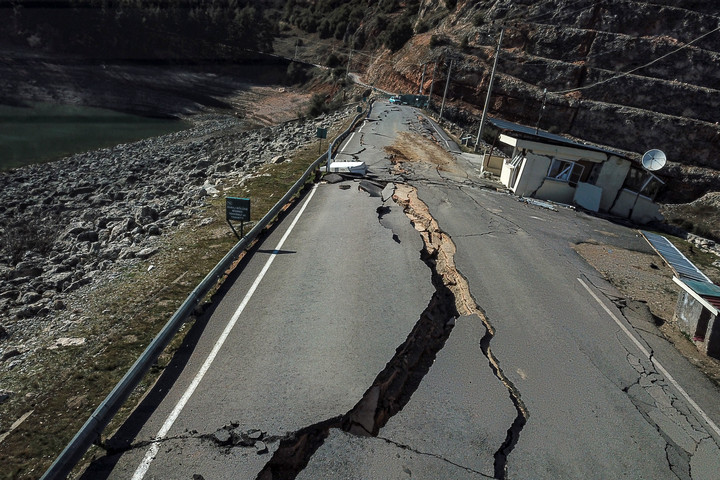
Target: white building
(551, 167)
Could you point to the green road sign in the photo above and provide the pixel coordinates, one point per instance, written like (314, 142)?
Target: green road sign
(321, 132)
(237, 209)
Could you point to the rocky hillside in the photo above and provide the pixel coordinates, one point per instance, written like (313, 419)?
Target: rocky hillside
(632, 75)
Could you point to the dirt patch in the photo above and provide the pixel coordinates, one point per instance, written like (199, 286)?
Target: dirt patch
(270, 105)
(415, 148)
(644, 280)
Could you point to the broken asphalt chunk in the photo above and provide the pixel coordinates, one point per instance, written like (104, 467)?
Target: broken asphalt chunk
(388, 192)
(222, 437)
(333, 178)
(374, 189)
(261, 448)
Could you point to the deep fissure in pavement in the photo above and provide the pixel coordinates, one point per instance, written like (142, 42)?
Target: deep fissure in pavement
(391, 389)
(398, 381)
(420, 215)
(389, 393)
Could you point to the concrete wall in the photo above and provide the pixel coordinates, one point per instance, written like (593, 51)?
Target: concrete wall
(687, 313)
(532, 174)
(506, 173)
(588, 196)
(556, 191)
(492, 164)
(643, 209)
(712, 339)
(611, 178)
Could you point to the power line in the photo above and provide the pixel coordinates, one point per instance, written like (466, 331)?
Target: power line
(624, 74)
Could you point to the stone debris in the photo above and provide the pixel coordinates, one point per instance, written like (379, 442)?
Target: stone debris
(4, 395)
(67, 342)
(66, 223)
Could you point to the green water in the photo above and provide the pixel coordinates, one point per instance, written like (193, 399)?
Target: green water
(48, 132)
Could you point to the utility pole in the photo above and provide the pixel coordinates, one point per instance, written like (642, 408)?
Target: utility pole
(432, 84)
(489, 92)
(447, 84)
(542, 109)
(422, 80)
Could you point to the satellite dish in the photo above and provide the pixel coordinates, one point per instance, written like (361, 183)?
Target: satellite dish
(654, 160)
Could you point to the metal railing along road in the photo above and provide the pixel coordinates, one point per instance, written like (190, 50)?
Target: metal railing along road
(101, 417)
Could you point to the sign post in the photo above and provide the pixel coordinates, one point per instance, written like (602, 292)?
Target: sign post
(321, 133)
(237, 209)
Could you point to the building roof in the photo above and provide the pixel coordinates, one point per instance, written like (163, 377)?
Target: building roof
(547, 137)
(708, 291)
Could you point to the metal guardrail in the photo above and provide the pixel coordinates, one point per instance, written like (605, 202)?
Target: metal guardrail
(101, 417)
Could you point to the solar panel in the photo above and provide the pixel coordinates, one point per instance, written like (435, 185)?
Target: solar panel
(683, 268)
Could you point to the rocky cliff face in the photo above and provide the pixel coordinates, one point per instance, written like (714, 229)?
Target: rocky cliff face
(629, 75)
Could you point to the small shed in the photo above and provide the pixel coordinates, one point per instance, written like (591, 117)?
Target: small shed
(697, 314)
(552, 167)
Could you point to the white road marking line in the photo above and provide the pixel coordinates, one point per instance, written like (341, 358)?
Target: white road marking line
(351, 137)
(153, 450)
(654, 361)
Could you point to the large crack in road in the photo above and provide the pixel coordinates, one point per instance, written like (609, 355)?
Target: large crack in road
(395, 384)
(419, 214)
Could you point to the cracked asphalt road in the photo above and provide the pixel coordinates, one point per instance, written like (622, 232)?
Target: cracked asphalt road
(356, 358)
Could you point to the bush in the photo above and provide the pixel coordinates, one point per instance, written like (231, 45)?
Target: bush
(388, 6)
(296, 73)
(317, 105)
(22, 236)
(398, 35)
(438, 41)
(333, 61)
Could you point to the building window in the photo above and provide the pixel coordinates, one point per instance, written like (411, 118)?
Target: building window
(565, 171)
(643, 182)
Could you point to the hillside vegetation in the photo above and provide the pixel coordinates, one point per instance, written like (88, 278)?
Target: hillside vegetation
(139, 30)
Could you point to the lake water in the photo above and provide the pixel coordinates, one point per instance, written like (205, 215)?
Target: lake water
(48, 132)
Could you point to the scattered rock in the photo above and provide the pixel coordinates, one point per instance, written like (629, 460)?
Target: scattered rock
(77, 402)
(67, 342)
(146, 253)
(10, 352)
(261, 448)
(222, 437)
(5, 395)
(30, 298)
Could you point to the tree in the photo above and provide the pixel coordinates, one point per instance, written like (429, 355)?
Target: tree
(398, 35)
